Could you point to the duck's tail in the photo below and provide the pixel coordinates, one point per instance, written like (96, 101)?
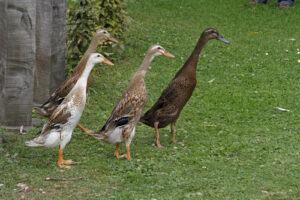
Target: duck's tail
(99, 135)
(41, 111)
(145, 119)
(33, 143)
(47, 108)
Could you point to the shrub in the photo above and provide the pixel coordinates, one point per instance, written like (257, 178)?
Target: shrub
(84, 17)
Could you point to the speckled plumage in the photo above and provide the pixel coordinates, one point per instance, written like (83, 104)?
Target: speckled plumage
(120, 126)
(129, 108)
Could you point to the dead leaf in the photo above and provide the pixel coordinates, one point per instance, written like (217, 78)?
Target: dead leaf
(57, 186)
(42, 191)
(63, 179)
(212, 80)
(283, 109)
(23, 187)
(181, 143)
(22, 131)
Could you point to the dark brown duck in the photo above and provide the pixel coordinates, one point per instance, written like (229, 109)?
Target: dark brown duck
(167, 108)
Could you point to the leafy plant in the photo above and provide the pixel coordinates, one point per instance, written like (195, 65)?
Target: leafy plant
(84, 17)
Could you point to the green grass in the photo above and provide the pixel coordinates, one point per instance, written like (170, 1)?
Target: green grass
(234, 143)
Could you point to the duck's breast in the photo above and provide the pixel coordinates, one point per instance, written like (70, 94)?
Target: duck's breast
(76, 103)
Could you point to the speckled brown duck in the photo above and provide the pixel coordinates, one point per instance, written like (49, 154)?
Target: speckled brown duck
(167, 108)
(120, 126)
(47, 108)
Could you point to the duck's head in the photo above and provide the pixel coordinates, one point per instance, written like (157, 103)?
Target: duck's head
(103, 34)
(158, 50)
(98, 58)
(212, 33)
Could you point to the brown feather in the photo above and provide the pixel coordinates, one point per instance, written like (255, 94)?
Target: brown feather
(168, 107)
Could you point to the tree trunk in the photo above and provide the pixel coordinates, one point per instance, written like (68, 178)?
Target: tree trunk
(17, 61)
(32, 56)
(50, 48)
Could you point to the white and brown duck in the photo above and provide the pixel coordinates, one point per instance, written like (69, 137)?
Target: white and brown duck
(167, 108)
(120, 126)
(58, 131)
(57, 97)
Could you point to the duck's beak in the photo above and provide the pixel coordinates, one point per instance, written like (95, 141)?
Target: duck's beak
(222, 39)
(113, 40)
(168, 54)
(108, 62)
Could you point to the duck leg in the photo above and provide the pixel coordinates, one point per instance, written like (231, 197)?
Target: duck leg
(85, 130)
(128, 153)
(61, 163)
(157, 135)
(173, 133)
(117, 155)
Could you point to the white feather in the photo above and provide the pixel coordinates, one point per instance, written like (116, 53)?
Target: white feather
(115, 136)
(128, 142)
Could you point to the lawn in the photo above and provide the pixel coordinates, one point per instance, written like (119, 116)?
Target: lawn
(233, 143)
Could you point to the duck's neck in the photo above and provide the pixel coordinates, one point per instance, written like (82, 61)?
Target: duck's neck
(93, 45)
(139, 76)
(85, 74)
(192, 61)
(145, 64)
(92, 49)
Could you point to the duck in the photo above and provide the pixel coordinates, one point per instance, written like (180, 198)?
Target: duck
(167, 108)
(58, 130)
(57, 97)
(121, 124)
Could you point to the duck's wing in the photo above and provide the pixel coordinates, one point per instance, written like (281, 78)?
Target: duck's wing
(123, 113)
(60, 116)
(66, 87)
(56, 98)
(55, 124)
(57, 120)
(165, 102)
(60, 93)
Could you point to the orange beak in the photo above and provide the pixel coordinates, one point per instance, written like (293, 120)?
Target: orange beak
(113, 40)
(108, 62)
(168, 54)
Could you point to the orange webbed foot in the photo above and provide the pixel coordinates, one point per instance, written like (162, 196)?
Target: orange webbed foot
(119, 156)
(60, 165)
(67, 162)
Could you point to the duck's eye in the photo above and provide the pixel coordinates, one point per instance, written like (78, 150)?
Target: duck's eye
(159, 48)
(98, 55)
